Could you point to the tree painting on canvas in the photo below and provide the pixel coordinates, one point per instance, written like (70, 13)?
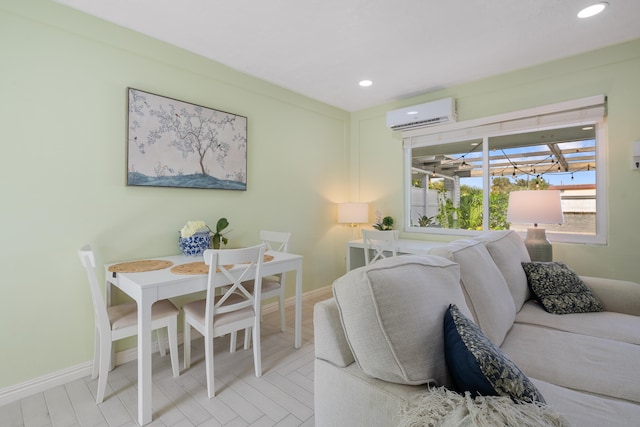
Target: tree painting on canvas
(173, 143)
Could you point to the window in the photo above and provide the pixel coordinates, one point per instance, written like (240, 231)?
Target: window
(458, 179)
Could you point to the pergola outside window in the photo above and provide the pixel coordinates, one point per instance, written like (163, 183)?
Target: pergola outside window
(459, 180)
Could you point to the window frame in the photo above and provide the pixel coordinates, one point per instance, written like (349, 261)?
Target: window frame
(580, 112)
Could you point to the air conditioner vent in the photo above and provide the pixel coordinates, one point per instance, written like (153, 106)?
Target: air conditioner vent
(428, 114)
(420, 123)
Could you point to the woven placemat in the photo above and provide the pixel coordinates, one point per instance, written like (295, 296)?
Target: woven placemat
(266, 258)
(198, 267)
(140, 266)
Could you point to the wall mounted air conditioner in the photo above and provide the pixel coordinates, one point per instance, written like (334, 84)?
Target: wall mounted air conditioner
(431, 113)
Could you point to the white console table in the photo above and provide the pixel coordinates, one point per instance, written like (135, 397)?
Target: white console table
(355, 250)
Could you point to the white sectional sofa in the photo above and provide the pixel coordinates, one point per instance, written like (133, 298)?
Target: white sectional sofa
(379, 341)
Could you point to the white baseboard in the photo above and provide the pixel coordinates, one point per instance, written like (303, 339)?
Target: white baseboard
(40, 384)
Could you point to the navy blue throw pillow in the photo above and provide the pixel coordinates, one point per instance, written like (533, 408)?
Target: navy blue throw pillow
(479, 366)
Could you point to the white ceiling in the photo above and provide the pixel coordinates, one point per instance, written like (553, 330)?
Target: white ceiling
(322, 48)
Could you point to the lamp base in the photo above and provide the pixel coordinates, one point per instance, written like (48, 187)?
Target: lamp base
(538, 246)
(355, 231)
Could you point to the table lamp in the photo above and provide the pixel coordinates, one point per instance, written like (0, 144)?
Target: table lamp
(537, 207)
(352, 213)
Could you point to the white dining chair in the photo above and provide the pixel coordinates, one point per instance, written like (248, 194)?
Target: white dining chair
(232, 310)
(273, 286)
(382, 243)
(115, 322)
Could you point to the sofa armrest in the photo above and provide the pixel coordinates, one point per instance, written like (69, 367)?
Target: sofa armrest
(618, 296)
(330, 342)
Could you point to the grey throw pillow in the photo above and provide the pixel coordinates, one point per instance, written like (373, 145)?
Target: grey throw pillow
(559, 289)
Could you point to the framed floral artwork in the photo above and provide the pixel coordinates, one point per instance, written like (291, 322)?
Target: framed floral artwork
(173, 143)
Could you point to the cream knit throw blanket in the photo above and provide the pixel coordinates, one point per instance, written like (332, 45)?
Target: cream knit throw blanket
(440, 407)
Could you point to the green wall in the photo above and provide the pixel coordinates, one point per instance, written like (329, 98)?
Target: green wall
(63, 112)
(63, 88)
(377, 155)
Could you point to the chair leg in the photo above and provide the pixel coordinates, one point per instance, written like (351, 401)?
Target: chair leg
(105, 364)
(112, 358)
(232, 341)
(281, 306)
(172, 333)
(96, 355)
(186, 334)
(247, 338)
(257, 354)
(208, 360)
(161, 347)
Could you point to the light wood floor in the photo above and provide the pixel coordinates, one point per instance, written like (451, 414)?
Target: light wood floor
(283, 396)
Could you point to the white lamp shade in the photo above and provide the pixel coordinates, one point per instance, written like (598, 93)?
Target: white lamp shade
(353, 213)
(535, 206)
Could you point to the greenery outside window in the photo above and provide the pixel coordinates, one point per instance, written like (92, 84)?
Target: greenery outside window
(459, 176)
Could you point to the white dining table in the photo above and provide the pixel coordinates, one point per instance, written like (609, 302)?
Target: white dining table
(150, 286)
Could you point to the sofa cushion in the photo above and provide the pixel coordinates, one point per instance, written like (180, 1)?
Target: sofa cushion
(587, 410)
(392, 313)
(580, 362)
(559, 289)
(508, 252)
(604, 324)
(487, 293)
(479, 366)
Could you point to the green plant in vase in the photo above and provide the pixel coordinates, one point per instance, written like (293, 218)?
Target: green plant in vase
(386, 224)
(217, 236)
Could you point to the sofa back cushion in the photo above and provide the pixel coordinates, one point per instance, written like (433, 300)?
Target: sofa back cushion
(392, 314)
(486, 291)
(508, 252)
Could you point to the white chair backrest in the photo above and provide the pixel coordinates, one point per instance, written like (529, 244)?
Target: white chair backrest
(236, 266)
(275, 240)
(379, 241)
(88, 261)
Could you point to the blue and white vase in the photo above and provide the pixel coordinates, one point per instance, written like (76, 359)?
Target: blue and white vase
(196, 244)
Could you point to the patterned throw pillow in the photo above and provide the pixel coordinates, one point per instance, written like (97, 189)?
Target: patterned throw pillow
(479, 366)
(559, 289)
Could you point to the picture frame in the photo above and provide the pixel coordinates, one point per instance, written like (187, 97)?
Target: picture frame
(173, 143)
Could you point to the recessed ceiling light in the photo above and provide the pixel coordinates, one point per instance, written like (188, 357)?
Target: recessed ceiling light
(365, 83)
(592, 10)
(587, 128)
(412, 113)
